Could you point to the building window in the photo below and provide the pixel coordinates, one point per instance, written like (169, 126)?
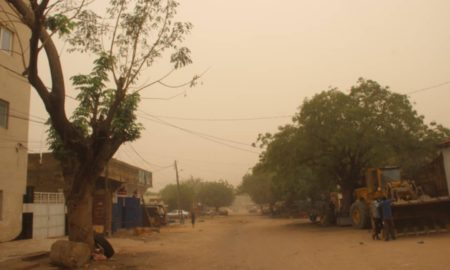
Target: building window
(6, 38)
(4, 110)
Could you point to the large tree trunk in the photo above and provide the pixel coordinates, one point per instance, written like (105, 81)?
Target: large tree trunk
(80, 217)
(79, 178)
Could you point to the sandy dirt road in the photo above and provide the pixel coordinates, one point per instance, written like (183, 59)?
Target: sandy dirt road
(255, 242)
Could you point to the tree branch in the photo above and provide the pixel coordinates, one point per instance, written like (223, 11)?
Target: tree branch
(159, 81)
(116, 26)
(156, 43)
(55, 99)
(134, 52)
(53, 32)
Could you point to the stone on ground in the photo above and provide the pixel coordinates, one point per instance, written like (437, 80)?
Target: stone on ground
(70, 254)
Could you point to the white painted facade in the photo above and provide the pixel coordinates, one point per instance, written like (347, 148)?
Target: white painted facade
(48, 214)
(14, 112)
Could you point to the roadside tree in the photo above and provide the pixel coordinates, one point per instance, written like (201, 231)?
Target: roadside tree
(260, 188)
(335, 136)
(216, 194)
(188, 193)
(127, 40)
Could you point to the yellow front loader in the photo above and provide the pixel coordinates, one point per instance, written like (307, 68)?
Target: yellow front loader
(412, 209)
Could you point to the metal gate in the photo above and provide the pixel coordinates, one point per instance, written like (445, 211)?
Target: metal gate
(48, 215)
(126, 213)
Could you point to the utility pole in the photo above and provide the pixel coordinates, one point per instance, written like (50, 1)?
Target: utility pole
(180, 213)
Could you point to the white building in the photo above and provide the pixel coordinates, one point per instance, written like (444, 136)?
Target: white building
(14, 112)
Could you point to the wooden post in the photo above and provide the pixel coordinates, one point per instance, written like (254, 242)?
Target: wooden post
(178, 195)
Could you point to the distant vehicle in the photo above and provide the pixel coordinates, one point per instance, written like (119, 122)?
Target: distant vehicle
(214, 212)
(174, 214)
(223, 211)
(156, 214)
(208, 212)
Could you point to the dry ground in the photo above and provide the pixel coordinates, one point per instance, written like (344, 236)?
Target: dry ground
(254, 242)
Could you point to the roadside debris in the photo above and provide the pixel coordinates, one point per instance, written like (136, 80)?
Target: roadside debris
(98, 255)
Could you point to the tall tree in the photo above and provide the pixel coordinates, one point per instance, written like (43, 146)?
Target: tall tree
(216, 194)
(188, 192)
(335, 136)
(260, 188)
(292, 177)
(127, 40)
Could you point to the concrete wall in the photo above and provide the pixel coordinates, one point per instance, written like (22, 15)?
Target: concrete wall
(15, 90)
(44, 173)
(133, 178)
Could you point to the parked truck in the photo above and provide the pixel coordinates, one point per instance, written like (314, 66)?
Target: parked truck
(413, 210)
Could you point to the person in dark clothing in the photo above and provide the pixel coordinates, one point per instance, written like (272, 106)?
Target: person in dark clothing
(388, 221)
(376, 218)
(193, 218)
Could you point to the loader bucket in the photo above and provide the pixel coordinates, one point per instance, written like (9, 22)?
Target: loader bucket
(421, 216)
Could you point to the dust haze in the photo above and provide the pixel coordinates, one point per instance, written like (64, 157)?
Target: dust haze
(263, 58)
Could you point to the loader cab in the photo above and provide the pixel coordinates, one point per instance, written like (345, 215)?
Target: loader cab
(378, 178)
(389, 175)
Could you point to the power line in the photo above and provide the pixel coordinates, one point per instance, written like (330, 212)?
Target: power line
(123, 150)
(26, 119)
(197, 132)
(163, 168)
(202, 135)
(224, 119)
(143, 159)
(190, 160)
(128, 155)
(427, 88)
(27, 114)
(166, 98)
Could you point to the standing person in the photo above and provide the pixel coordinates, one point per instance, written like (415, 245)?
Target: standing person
(193, 218)
(376, 218)
(388, 222)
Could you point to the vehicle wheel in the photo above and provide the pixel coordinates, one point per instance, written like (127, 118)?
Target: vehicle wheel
(102, 243)
(359, 215)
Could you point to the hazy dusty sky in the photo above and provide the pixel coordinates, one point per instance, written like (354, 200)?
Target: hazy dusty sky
(266, 57)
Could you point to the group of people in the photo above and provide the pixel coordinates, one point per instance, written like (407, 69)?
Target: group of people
(382, 219)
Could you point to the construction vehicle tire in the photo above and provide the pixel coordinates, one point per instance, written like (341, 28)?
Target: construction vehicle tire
(359, 215)
(104, 245)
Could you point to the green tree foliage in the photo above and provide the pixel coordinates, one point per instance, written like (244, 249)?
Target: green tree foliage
(188, 194)
(194, 191)
(125, 40)
(216, 194)
(259, 187)
(335, 136)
